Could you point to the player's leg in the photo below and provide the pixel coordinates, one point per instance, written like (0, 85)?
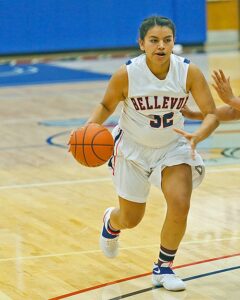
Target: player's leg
(177, 189)
(128, 215)
(132, 186)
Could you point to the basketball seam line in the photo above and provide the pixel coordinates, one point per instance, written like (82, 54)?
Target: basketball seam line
(92, 145)
(83, 145)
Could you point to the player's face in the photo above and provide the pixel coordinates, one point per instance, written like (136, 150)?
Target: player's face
(158, 44)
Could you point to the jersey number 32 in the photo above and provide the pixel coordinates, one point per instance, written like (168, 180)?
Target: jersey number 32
(162, 121)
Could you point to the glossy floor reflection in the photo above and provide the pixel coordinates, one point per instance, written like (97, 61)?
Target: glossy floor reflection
(51, 207)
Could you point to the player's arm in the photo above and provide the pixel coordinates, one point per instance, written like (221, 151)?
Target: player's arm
(190, 114)
(227, 113)
(116, 91)
(198, 86)
(224, 113)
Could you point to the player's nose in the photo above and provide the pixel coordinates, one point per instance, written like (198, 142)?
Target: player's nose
(161, 45)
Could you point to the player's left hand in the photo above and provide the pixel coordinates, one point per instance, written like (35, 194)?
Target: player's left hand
(191, 137)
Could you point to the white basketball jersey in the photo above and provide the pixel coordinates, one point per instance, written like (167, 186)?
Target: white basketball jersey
(152, 108)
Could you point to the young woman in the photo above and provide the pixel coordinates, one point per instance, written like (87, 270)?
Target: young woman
(150, 144)
(228, 112)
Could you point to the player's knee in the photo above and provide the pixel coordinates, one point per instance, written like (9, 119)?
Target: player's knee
(180, 207)
(130, 221)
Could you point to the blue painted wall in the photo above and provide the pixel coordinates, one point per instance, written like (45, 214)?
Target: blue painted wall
(33, 26)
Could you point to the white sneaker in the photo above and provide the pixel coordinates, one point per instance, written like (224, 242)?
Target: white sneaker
(164, 276)
(108, 242)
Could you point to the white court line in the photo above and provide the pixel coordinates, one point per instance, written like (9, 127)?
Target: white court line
(64, 182)
(17, 239)
(19, 267)
(121, 248)
(82, 181)
(4, 296)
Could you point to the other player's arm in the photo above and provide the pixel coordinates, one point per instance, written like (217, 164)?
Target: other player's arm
(116, 91)
(223, 112)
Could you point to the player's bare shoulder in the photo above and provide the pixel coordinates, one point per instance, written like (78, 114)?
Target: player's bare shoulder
(194, 75)
(117, 89)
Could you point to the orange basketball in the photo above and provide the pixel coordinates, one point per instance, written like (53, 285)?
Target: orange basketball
(91, 145)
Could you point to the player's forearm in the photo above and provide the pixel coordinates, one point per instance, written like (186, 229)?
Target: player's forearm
(196, 115)
(209, 124)
(100, 114)
(227, 113)
(235, 102)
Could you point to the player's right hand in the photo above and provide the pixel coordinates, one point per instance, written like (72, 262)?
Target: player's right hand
(187, 112)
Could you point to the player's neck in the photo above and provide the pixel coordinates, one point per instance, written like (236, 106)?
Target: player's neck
(160, 71)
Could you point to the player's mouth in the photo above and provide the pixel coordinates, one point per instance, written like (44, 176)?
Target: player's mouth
(161, 54)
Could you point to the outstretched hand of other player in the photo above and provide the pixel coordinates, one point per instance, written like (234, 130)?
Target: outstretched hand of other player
(191, 137)
(222, 86)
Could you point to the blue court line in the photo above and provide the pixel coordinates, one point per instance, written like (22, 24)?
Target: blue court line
(185, 279)
(51, 143)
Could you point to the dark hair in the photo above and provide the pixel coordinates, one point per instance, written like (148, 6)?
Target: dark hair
(152, 21)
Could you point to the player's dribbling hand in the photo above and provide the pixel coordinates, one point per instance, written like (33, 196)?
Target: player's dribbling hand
(191, 137)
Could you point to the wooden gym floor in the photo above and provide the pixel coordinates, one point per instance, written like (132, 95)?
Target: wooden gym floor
(51, 207)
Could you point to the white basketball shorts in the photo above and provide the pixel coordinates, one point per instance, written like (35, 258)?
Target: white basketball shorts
(135, 167)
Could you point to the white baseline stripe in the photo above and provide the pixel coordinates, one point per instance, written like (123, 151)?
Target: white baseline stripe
(4, 296)
(82, 181)
(121, 248)
(52, 183)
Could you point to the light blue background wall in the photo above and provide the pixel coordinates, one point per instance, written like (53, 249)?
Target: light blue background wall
(31, 26)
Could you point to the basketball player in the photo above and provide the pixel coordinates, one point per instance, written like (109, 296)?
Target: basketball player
(153, 88)
(228, 112)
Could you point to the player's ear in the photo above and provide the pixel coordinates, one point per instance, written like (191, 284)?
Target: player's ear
(141, 44)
